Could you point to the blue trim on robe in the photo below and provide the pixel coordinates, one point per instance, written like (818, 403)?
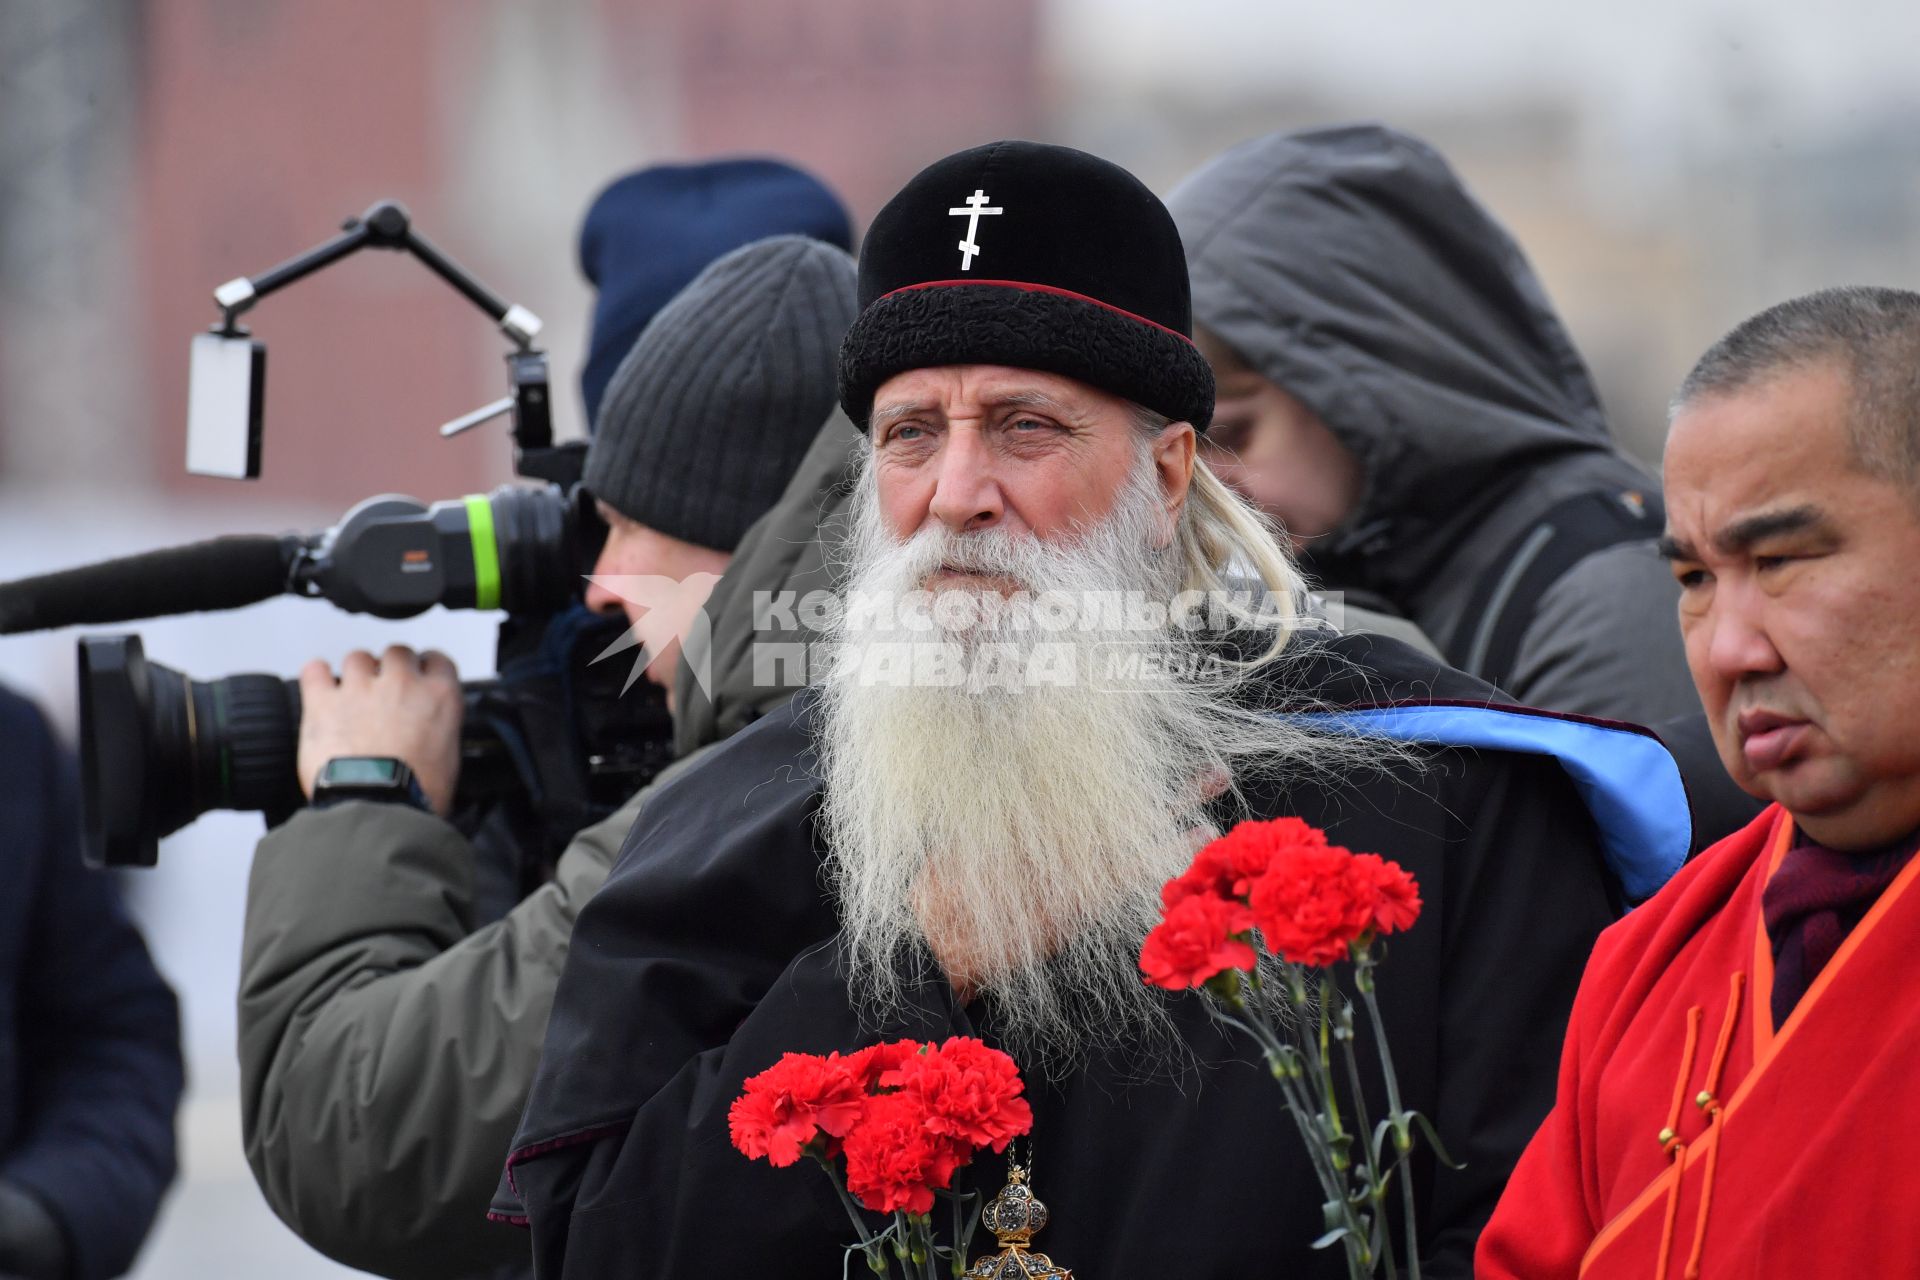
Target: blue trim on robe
(1629, 780)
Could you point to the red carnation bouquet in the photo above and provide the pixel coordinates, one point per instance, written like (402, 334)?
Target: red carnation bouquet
(1279, 886)
(891, 1125)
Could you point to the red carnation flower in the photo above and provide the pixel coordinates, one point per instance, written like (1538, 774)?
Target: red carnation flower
(877, 1066)
(970, 1093)
(1228, 866)
(790, 1103)
(893, 1161)
(1195, 941)
(1312, 905)
(1398, 896)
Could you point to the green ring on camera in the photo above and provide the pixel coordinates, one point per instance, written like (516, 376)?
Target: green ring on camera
(486, 552)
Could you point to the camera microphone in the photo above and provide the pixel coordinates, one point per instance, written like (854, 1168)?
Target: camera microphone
(219, 573)
(521, 549)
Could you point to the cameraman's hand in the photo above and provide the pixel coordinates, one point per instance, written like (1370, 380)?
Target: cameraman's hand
(400, 704)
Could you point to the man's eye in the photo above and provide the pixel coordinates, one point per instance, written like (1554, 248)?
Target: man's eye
(1764, 563)
(904, 432)
(1029, 425)
(1691, 578)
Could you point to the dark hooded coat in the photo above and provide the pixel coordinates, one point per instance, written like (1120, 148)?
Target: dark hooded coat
(1350, 267)
(711, 951)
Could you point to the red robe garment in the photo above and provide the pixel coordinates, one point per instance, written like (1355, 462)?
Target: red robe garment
(1799, 1163)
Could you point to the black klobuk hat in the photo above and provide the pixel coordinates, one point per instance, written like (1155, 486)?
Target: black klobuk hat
(1033, 256)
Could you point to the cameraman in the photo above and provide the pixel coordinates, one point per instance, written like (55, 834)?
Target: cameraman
(386, 1049)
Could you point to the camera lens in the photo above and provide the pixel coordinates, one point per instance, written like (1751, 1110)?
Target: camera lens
(157, 749)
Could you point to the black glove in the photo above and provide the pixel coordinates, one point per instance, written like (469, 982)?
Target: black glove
(32, 1246)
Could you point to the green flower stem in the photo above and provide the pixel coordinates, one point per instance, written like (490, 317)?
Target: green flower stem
(1293, 1093)
(1360, 1238)
(920, 1244)
(1308, 1095)
(974, 1207)
(1378, 1197)
(1402, 1126)
(870, 1244)
(1325, 1063)
(960, 1241)
(1380, 1240)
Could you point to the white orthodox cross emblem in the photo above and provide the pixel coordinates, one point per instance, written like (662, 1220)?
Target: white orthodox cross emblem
(973, 210)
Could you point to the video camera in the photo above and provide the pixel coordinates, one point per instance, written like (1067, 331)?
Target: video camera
(547, 746)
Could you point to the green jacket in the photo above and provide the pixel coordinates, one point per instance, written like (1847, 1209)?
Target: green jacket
(387, 1046)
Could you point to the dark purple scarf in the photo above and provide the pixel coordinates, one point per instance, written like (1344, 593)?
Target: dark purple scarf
(1816, 897)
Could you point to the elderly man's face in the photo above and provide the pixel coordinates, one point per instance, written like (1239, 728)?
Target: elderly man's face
(978, 447)
(1800, 594)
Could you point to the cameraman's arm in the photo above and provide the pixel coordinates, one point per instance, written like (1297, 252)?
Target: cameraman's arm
(386, 1052)
(380, 1039)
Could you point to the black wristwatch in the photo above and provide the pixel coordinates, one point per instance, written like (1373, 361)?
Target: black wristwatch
(379, 778)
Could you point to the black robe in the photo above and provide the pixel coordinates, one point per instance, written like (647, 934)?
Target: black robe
(712, 950)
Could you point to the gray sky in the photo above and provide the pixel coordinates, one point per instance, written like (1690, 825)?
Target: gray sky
(1636, 68)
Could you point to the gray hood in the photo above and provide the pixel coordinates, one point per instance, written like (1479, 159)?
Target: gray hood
(1351, 267)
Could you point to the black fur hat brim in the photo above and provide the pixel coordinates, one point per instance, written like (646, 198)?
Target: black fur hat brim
(1025, 327)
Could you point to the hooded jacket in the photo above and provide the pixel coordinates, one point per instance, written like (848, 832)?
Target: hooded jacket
(386, 1045)
(1350, 267)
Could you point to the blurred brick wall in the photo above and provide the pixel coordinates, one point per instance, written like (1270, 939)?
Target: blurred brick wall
(866, 92)
(264, 125)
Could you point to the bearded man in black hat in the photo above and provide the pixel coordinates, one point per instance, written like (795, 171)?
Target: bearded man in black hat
(963, 827)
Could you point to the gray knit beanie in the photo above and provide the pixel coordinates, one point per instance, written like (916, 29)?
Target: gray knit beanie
(709, 414)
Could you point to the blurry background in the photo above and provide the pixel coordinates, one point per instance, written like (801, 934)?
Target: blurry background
(1670, 168)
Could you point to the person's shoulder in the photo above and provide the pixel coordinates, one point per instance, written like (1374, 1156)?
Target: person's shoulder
(1692, 899)
(778, 743)
(766, 766)
(1357, 670)
(1623, 777)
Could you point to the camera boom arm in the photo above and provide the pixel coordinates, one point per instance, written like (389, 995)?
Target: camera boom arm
(384, 226)
(227, 417)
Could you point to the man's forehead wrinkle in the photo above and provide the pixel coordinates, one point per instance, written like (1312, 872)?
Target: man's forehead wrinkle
(901, 409)
(986, 401)
(1032, 398)
(1023, 400)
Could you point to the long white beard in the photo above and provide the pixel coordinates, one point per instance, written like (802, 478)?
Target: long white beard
(1026, 829)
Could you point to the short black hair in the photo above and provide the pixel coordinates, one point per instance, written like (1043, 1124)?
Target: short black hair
(1871, 333)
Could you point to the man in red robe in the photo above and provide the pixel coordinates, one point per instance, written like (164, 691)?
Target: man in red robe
(1736, 1094)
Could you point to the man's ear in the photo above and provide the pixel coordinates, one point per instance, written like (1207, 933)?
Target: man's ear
(1173, 451)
